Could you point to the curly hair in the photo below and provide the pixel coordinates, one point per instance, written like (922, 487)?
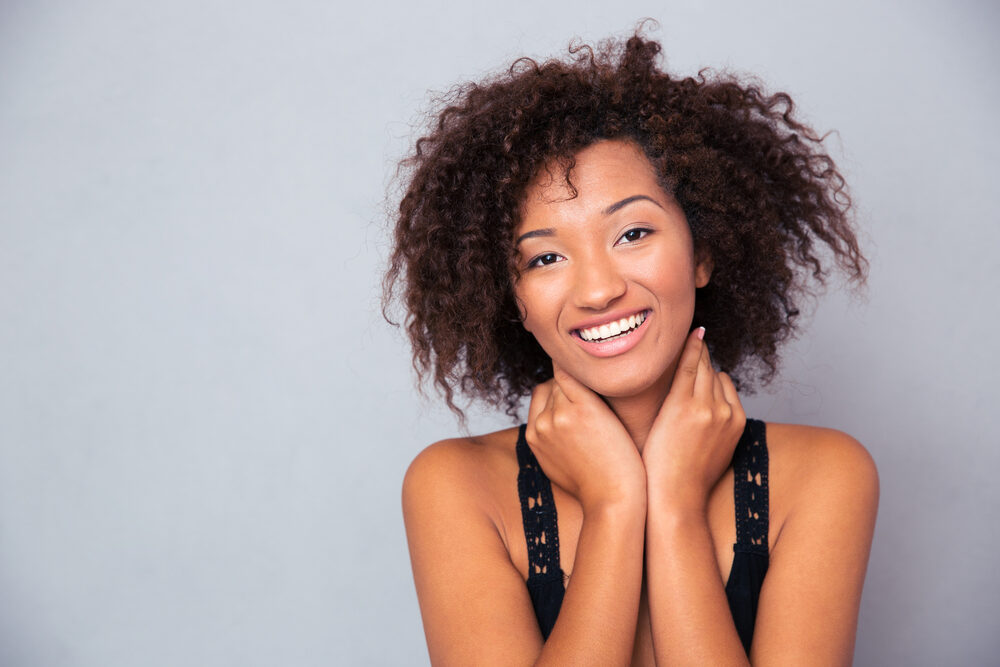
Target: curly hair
(759, 192)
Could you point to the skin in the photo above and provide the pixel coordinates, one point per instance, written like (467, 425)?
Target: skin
(637, 446)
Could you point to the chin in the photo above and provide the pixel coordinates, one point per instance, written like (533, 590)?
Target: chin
(628, 385)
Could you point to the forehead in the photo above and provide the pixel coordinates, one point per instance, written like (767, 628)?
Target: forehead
(601, 174)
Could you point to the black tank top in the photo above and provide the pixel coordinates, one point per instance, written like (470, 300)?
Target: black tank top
(545, 576)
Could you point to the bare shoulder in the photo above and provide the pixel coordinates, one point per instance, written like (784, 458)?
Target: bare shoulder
(824, 486)
(466, 469)
(458, 497)
(817, 470)
(811, 452)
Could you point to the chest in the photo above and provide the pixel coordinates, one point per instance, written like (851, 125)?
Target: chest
(569, 521)
(732, 516)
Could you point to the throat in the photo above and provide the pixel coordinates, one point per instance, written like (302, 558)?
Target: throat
(637, 413)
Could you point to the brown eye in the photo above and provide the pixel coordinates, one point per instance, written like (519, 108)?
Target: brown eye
(633, 235)
(545, 260)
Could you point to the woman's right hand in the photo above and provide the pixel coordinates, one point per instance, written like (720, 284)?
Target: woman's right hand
(581, 444)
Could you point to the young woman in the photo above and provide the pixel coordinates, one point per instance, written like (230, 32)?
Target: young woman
(604, 237)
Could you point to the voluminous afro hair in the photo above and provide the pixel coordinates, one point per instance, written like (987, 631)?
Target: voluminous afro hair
(759, 192)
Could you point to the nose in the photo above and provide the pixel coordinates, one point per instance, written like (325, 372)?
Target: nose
(597, 283)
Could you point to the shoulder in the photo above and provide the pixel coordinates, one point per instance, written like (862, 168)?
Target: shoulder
(464, 469)
(809, 453)
(825, 487)
(822, 471)
(459, 496)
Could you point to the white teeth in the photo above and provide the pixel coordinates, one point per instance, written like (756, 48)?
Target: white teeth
(611, 329)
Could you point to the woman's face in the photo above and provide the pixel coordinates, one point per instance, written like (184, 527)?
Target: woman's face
(607, 279)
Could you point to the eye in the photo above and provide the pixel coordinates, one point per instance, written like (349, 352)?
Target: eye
(544, 260)
(633, 235)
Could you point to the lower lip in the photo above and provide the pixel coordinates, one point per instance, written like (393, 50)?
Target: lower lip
(614, 346)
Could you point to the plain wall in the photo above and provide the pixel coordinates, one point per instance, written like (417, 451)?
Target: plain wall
(204, 421)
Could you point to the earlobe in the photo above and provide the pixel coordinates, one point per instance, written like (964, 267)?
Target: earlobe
(522, 315)
(703, 271)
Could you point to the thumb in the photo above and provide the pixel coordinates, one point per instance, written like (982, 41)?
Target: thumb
(571, 387)
(687, 365)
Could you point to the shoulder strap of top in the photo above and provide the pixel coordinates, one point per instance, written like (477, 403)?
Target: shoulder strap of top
(750, 489)
(538, 512)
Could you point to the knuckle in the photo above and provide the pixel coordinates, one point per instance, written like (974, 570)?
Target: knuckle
(543, 424)
(562, 419)
(701, 414)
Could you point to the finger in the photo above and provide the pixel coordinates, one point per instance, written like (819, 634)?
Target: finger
(574, 390)
(557, 397)
(704, 382)
(687, 365)
(732, 397)
(539, 400)
(718, 393)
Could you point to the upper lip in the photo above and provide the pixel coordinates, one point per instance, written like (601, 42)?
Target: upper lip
(608, 318)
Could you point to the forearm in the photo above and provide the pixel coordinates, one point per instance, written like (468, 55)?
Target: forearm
(596, 623)
(689, 613)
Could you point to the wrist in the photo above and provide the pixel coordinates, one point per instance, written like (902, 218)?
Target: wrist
(676, 520)
(677, 499)
(624, 503)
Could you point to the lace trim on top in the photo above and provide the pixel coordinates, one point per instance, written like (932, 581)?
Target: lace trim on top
(538, 512)
(751, 489)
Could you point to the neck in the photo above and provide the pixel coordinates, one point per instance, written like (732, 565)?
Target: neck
(637, 413)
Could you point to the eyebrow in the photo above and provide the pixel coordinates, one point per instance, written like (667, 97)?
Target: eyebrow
(547, 231)
(617, 206)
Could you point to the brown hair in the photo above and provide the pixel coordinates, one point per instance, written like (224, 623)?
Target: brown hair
(756, 186)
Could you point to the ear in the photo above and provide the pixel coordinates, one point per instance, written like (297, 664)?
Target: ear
(522, 315)
(703, 269)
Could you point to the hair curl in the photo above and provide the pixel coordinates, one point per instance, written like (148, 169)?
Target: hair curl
(756, 186)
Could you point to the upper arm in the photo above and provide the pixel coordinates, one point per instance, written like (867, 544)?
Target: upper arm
(474, 603)
(810, 598)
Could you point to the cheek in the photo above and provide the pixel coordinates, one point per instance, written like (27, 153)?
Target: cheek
(539, 308)
(671, 278)
(528, 306)
(673, 289)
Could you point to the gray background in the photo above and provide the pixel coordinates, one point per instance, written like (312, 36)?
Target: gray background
(203, 420)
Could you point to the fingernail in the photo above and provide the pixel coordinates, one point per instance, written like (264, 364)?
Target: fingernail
(700, 333)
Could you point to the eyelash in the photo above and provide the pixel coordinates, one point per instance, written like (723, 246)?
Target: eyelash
(537, 261)
(643, 230)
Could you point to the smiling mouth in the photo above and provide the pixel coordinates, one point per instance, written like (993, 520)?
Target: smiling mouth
(611, 330)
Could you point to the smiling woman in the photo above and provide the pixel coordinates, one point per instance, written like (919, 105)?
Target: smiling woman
(621, 248)
(616, 242)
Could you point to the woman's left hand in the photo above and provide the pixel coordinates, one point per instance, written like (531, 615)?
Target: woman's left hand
(692, 440)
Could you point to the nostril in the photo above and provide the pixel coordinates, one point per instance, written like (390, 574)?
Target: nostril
(598, 289)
